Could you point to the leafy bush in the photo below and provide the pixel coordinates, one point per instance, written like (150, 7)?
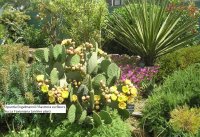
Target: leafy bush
(17, 84)
(117, 129)
(13, 53)
(142, 37)
(189, 11)
(181, 88)
(35, 38)
(185, 120)
(179, 59)
(80, 20)
(15, 21)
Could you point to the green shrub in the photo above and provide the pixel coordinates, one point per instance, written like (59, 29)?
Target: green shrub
(80, 20)
(117, 129)
(17, 84)
(15, 21)
(13, 53)
(35, 38)
(185, 120)
(179, 59)
(181, 88)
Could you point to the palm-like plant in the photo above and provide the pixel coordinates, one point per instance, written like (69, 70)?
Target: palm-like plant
(152, 31)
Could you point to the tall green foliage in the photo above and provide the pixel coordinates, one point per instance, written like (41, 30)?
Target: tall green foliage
(17, 84)
(151, 31)
(77, 19)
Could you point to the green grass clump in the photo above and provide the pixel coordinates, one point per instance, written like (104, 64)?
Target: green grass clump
(181, 88)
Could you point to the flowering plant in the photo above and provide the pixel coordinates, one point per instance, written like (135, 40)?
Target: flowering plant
(138, 75)
(85, 79)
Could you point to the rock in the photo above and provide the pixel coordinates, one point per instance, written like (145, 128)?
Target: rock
(137, 114)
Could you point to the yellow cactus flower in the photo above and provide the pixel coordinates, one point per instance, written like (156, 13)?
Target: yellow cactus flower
(51, 93)
(60, 100)
(127, 82)
(131, 99)
(44, 88)
(113, 97)
(40, 78)
(97, 97)
(125, 89)
(122, 98)
(51, 99)
(113, 88)
(74, 98)
(134, 91)
(122, 105)
(66, 41)
(65, 94)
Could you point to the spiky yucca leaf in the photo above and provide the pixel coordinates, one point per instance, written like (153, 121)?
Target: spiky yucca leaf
(152, 31)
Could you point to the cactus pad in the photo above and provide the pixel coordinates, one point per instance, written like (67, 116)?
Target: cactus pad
(113, 70)
(72, 113)
(124, 113)
(98, 79)
(83, 116)
(106, 117)
(73, 60)
(111, 81)
(57, 51)
(97, 119)
(75, 75)
(54, 76)
(39, 55)
(92, 63)
(60, 69)
(104, 65)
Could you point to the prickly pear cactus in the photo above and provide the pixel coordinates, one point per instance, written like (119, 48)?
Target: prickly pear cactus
(112, 70)
(72, 113)
(105, 116)
(92, 63)
(54, 76)
(89, 82)
(83, 116)
(73, 60)
(98, 79)
(57, 51)
(39, 55)
(97, 119)
(104, 65)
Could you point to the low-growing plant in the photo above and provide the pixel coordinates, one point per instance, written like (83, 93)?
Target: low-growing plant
(118, 128)
(185, 120)
(179, 89)
(84, 78)
(176, 60)
(142, 77)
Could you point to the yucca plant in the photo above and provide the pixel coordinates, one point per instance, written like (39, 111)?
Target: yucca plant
(151, 31)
